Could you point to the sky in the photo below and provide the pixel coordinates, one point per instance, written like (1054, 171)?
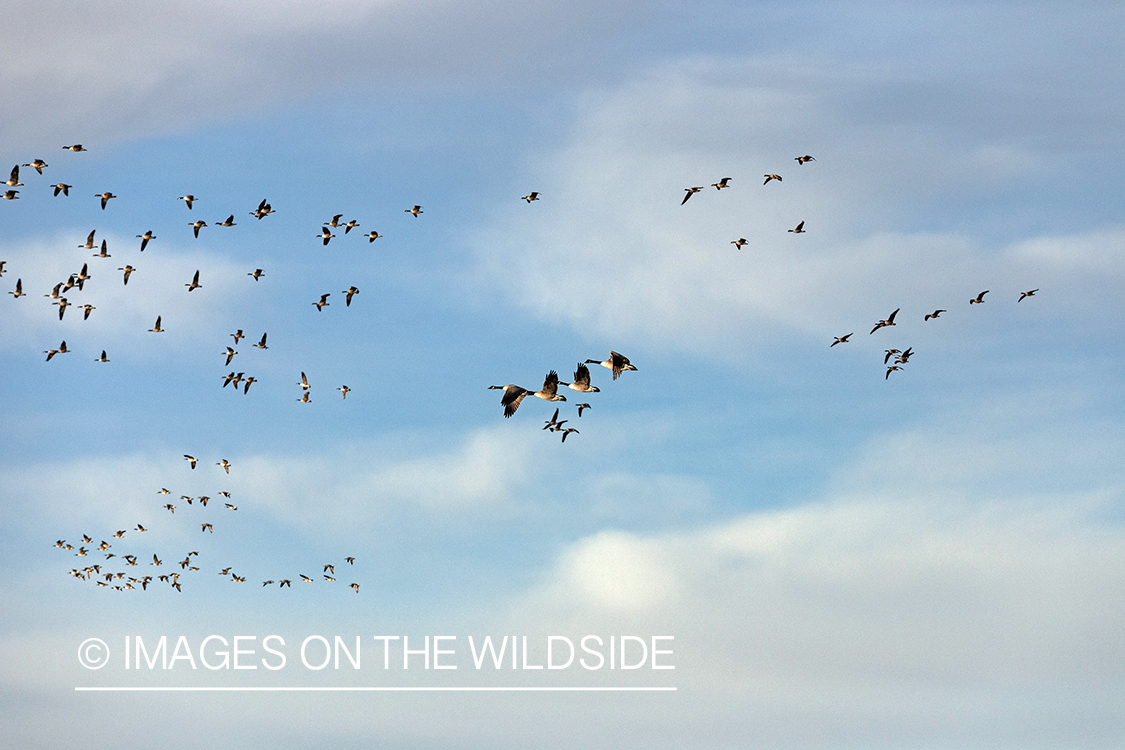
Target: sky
(830, 554)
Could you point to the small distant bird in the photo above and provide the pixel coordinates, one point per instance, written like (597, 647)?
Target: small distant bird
(344, 390)
(304, 382)
(581, 407)
(62, 303)
(264, 209)
(934, 314)
(350, 226)
(323, 302)
(102, 358)
(257, 273)
(37, 165)
(772, 177)
(230, 354)
(206, 527)
(105, 198)
(335, 221)
(891, 353)
(194, 283)
(87, 309)
(140, 528)
(128, 270)
(979, 299)
(1030, 293)
(19, 289)
(802, 159)
(416, 210)
(329, 578)
(304, 399)
(618, 363)
(329, 568)
(839, 340)
(799, 230)
(723, 183)
(890, 321)
(553, 421)
(904, 356)
(189, 199)
(104, 251)
(532, 196)
(228, 222)
(350, 292)
(89, 241)
(305, 578)
(690, 192)
(191, 460)
(567, 431)
(230, 507)
(14, 180)
(326, 234)
(739, 243)
(284, 582)
(196, 226)
(225, 464)
(236, 336)
(354, 587)
(891, 369)
(52, 352)
(62, 188)
(248, 380)
(349, 560)
(156, 560)
(76, 147)
(372, 236)
(262, 344)
(144, 238)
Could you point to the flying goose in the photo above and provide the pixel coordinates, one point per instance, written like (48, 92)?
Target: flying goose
(62, 188)
(513, 395)
(37, 165)
(582, 380)
(350, 226)
(262, 344)
(890, 321)
(189, 199)
(225, 464)
(891, 353)
(237, 335)
(11, 195)
(354, 587)
(191, 460)
(194, 282)
(553, 421)
(76, 147)
(532, 196)
(549, 391)
(102, 358)
(196, 226)
(1030, 293)
(839, 340)
(802, 159)
(567, 431)
(257, 273)
(372, 236)
(229, 222)
(104, 252)
(739, 243)
(344, 390)
(105, 198)
(350, 292)
(619, 363)
(19, 289)
(335, 221)
(772, 177)
(581, 407)
(128, 270)
(304, 382)
(799, 230)
(323, 302)
(62, 303)
(891, 369)
(979, 299)
(723, 183)
(248, 380)
(934, 314)
(52, 352)
(87, 309)
(230, 354)
(416, 210)
(264, 209)
(690, 192)
(326, 234)
(14, 180)
(206, 527)
(89, 241)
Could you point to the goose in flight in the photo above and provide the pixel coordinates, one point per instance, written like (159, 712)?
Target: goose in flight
(934, 314)
(264, 209)
(349, 560)
(553, 422)
(257, 273)
(194, 282)
(52, 352)
(335, 221)
(354, 587)
(800, 229)
(62, 303)
(350, 226)
(567, 431)
(262, 344)
(891, 353)
(82, 275)
(196, 226)
(87, 309)
(891, 369)
(532, 196)
(329, 568)
(206, 527)
(89, 241)
(305, 578)
(37, 165)
(1030, 293)
(690, 192)
(188, 199)
(550, 389)
(839, 340)
(772, 177)
(14, 180)
(326, 234)
(323, 302)
(344, 390)
(723, 183)
(230, 354)
(581, 407)
(19, 289)
(237, 335)
(372, 236)
(350, 292)
(582, 380)
(75, 148)
(228, 222)
(102, 358)
(903, 357)
(618, 363)
(979, 299)
(105, 198)
(739, 243)
(890, 321)
(11, 195)
(248, 380)
(416, 210)
(128, 270)
(802, 159)
(191, 460)
(104, 251)
(513, 395)
(304, 399)
(225, 464)
(304, 382)
(63, 188)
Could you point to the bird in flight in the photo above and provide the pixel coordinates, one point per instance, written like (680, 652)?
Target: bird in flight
(225, 464)
(144, 238)
(350, 226)
(62, 188)
(739, 243)
(890, 353)
(979, 299)
(416, 210)
(934, 314)
(839, 340)
(326, 234)
(350, 292)
(37, 165)
(618, 363)
(532, 196)
(236, 336)
(230, 354)
(11, 195)
(19, 289)
(1030, 293)
(723, 183)
(89, 241)
(582, 380)
(262, 344)
(335, 221)
(690, 192)
(890, 321)
(257, 273)
(191, 460)
(194, 282)
(581, 407)
(772, 177)
(128, 270)
(104, 251)
(567, 431)
(891, 369)
(196, 226)
(799, 230)
(323, 302)
(76, 147)
(228, 222)
(344, 390)
(14, 180)
(189, 199)
(105, 198)
(803, 159)
(372, 236)
(102, 358)
(304, 382)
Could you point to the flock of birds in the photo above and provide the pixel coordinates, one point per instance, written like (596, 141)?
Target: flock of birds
(100, 573)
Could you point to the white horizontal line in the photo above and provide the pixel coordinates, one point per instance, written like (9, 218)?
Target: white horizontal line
(373, 689)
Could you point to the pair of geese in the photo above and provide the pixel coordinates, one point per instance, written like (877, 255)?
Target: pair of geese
(514, 394)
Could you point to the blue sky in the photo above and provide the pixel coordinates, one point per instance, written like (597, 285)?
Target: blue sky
(932, 559)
